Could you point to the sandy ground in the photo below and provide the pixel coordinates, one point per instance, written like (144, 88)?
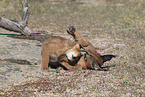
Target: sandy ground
(19, 60)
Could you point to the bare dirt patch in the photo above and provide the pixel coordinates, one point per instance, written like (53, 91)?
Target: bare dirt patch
(106, 24)
(18, 59)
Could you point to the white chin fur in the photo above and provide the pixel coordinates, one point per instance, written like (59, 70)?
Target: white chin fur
(70, 55)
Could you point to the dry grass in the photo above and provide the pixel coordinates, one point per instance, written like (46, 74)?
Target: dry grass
(118, 25)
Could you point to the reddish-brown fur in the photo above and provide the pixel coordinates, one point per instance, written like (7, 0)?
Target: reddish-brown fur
(59, 48)
(97, 58)
(55, 47)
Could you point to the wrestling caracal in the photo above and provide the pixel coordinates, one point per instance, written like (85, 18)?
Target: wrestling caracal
(97, 59)
(58, 51)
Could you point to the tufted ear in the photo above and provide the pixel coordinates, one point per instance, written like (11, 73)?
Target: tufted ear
(107, 57)
(71, 30)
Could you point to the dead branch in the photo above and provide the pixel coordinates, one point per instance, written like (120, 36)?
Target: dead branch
(26, 13)
(20, 27)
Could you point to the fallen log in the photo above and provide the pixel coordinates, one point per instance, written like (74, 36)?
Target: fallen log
(20, 27)
(14, 26)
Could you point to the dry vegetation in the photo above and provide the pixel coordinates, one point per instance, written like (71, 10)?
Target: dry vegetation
(116, 25)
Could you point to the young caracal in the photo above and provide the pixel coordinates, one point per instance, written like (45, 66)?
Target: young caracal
(72, 55)
(60, 52)
(96, 59)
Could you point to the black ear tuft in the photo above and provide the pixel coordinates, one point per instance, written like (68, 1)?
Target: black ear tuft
(107, 57)
(71, 30)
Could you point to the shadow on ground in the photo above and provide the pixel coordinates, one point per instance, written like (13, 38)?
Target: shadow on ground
(18, 61)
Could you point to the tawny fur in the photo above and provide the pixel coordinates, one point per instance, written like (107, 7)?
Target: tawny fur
(96, 60)
(56, 46)
(86, 45)
(63, 50)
